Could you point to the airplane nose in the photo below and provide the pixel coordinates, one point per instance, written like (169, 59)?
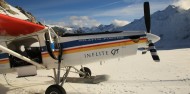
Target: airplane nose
(152, 37)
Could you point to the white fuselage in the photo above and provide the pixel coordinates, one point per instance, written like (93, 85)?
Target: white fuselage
(78, 49)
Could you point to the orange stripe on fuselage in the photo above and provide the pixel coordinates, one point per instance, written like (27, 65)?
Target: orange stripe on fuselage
(106, 45)
(4, 61)
(98, 46)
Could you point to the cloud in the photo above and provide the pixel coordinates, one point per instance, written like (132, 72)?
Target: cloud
(76, 21)
(120, 22)
(53, 22)
(185, 4)
(83, 21)
(61, 23)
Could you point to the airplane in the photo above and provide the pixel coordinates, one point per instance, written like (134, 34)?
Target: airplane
(26, 47)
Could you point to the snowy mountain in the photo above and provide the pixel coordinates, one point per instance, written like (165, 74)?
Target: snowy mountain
(110, 27)
(7, 9)
(16, 12)
(100, 28)
(171, 24)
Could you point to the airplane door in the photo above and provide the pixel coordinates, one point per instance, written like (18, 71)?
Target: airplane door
(28, 47)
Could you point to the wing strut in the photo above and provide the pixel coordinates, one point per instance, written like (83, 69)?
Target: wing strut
(4, 49)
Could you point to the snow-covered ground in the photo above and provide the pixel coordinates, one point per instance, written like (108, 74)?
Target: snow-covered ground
(130, 75)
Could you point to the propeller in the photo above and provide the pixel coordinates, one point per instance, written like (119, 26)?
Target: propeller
(147, 16)
(151, 46)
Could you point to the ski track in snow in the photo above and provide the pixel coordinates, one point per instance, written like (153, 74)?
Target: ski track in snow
(136, 74)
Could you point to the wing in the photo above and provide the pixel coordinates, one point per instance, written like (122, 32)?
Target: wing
(15, 28)
(10, 26)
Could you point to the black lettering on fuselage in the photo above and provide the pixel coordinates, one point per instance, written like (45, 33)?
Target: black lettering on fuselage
(96, 54)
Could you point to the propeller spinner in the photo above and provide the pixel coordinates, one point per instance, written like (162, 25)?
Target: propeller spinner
(151, 47)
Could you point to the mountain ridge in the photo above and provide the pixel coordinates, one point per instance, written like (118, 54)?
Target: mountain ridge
(172, 24)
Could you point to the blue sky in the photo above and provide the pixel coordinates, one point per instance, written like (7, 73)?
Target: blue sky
(64, 12)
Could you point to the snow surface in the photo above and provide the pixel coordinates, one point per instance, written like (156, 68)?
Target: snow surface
(136, 74)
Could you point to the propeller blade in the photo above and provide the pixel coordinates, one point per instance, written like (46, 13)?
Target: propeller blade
(153, 52)
(147, 16)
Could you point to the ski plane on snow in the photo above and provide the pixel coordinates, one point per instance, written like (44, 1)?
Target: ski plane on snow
(26, 47)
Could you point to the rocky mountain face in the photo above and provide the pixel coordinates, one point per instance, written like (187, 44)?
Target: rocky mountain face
(16, 12)
(171, 24)
(100, 28)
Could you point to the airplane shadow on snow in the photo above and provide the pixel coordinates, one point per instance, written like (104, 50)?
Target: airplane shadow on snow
(3, 89)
